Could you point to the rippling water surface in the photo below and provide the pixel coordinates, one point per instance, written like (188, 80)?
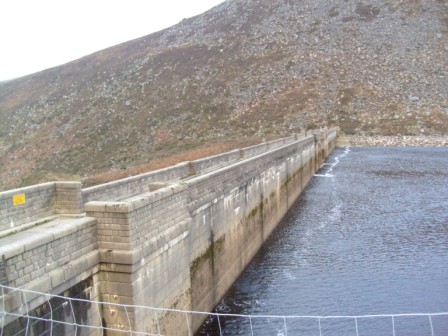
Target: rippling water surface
(368, 236)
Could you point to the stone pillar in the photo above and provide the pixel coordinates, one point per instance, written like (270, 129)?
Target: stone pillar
(116, 267)
(68, 198)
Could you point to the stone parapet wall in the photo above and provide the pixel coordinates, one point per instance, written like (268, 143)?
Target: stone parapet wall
(332, 135)
(37, 202)
(135, 185)
(207, 187)
(68, 200)
(214, 162)
(50, 258)
(183, 244)
(131, 186)
(25, 206)
(265, 146)
(33, 255)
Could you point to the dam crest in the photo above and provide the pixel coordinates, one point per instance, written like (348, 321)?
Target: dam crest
(175, 238)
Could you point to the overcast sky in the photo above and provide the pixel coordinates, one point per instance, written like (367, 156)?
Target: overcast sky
(39, 34)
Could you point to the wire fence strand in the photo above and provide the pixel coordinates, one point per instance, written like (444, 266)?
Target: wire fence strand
(67, 307)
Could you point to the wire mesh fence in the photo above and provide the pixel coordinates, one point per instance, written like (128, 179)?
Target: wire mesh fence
(59, 315)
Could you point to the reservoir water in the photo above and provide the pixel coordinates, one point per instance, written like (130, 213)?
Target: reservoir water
(368, 236)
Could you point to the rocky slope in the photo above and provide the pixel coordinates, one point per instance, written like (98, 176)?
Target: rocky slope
(247, 69)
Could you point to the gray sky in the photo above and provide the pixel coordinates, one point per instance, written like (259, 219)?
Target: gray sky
(39, 34)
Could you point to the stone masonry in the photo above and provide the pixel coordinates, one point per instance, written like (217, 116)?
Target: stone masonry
(176, 238)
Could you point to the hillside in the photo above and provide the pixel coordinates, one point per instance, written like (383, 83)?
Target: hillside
(244, 71)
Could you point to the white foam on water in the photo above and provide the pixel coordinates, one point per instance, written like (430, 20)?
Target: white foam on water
(323, 175)
(335, 213)
(288, 275)
(333, 164)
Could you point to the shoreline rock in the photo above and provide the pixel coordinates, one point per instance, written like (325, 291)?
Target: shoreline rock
(394, 141)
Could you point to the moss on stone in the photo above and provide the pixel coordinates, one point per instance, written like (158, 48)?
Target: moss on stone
(209, 254)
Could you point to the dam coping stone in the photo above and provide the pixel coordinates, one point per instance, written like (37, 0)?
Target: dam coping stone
(194, 179)
(51, 229)
(135, 202)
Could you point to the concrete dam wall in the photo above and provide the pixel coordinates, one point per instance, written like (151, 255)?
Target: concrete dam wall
(175, 238)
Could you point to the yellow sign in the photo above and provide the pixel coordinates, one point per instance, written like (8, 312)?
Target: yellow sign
(18, 199)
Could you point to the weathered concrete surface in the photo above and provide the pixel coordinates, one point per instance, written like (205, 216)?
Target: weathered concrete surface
(174, 239)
